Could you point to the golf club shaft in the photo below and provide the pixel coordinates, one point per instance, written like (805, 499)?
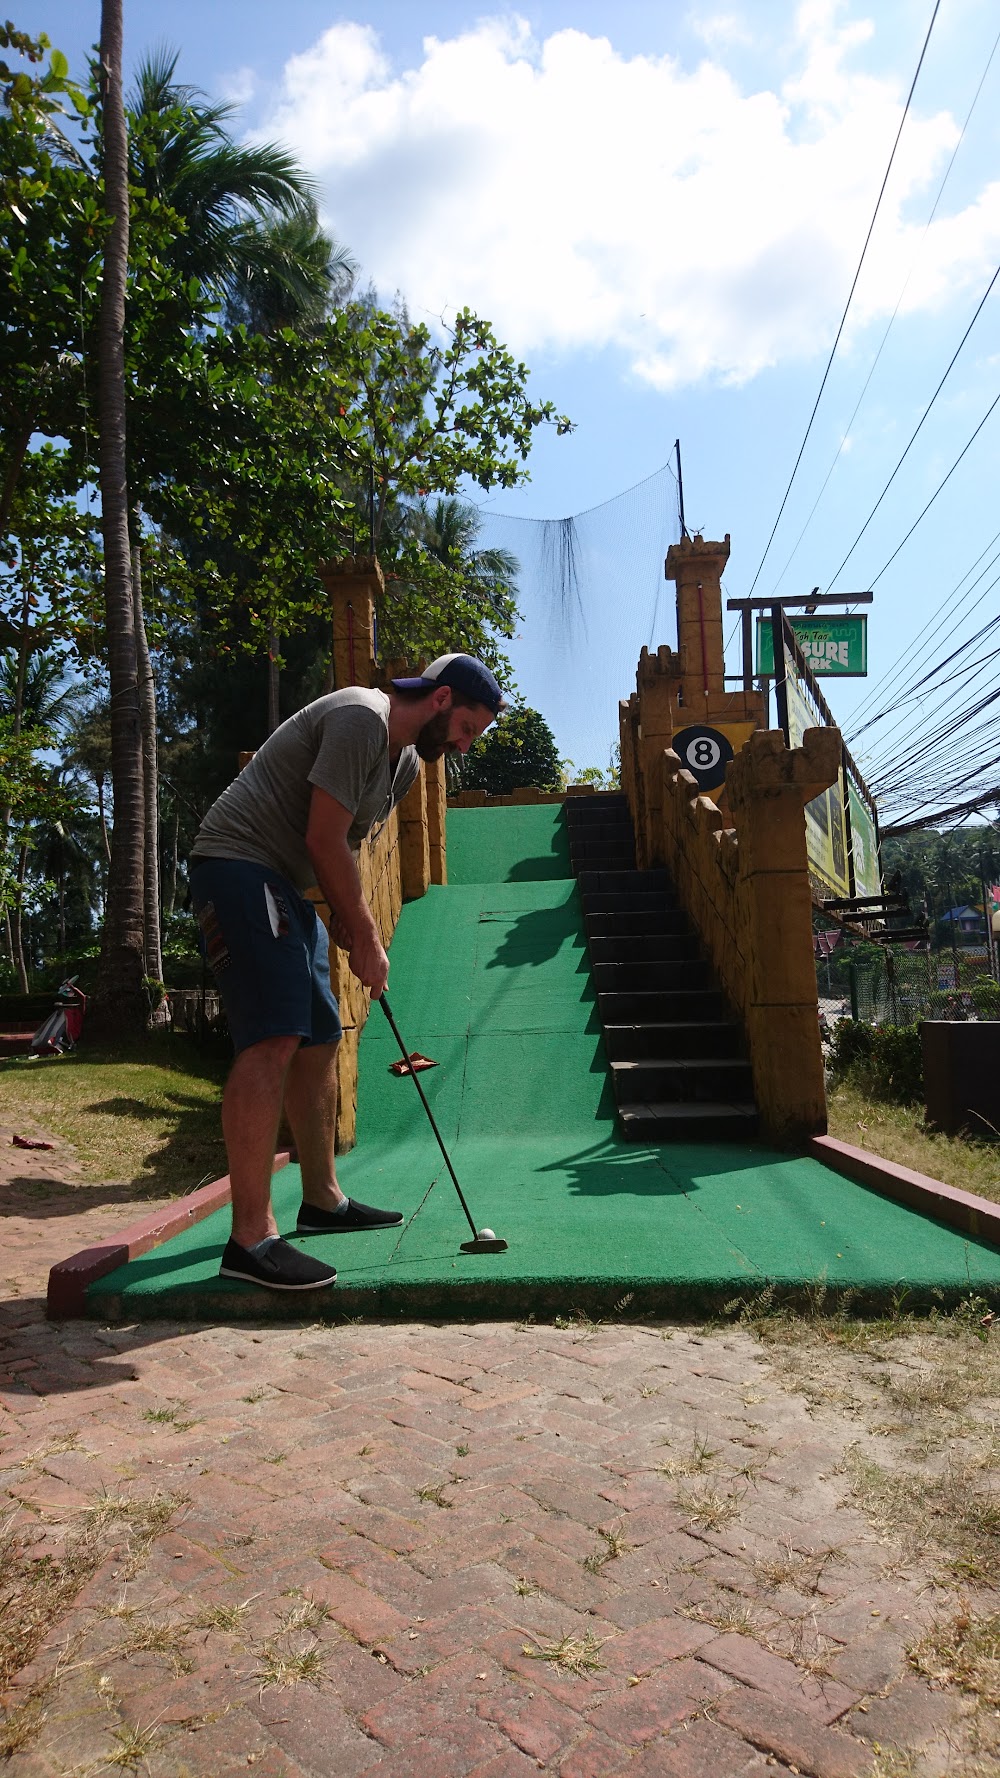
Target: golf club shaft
(383, 1002)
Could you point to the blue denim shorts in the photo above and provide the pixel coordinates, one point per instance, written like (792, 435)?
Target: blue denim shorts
(268, 951)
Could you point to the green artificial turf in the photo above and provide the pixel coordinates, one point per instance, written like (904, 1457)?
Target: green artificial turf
(527, 844)
(491, 979)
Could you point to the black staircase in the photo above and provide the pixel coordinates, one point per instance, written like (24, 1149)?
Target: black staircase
(678, 1059)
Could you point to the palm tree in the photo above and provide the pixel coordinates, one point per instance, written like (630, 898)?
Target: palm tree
(448, 531)
(252, 234)
(120, 1003)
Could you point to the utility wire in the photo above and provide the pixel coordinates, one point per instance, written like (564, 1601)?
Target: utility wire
(850, 296)
(942, 484)
(895, 312)
(935, 621)
(913, 435)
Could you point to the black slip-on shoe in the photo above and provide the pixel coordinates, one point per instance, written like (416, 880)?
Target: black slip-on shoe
(280, 1267)
(345, 1222)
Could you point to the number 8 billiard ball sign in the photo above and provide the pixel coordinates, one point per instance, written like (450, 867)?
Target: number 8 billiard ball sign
(705, 753)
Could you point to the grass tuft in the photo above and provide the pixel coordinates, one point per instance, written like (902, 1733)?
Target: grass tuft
(281, 1668)
(433, 1492)
(572, 1654)
(963, 1651)
(614, 1545)
(708, 1507)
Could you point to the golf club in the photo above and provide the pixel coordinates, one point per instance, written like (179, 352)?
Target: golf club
(484, 1240)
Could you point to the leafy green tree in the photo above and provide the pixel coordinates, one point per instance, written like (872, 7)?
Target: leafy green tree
(51, 232)
(31, 796)
(518, 751)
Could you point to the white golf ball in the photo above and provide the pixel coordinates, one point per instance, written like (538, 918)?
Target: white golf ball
(486, 1235)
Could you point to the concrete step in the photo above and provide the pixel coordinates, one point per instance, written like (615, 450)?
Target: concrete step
(608, 901)
(686, 1079)
(718, 1121)
(645, 947)
(659, 1007)
(647, 977)
(602, 856)
(677, 1039)
(585, 809)
(648, 923)
(624, 882)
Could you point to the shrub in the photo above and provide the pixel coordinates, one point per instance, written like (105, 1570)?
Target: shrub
(888, 1057)
(986, 999)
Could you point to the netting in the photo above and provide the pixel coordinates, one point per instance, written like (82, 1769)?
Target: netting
(591, 593)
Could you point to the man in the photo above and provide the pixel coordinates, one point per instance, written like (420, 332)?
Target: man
(293, 818)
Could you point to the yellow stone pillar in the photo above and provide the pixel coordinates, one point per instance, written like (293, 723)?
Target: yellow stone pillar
(354, 585)
(414, 840)
(769, 785)
(437, 816)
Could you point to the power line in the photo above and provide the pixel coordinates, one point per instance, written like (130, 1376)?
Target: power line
(917, 428)
(850, 296)
(942, 484)
(934, 622)
(895, 312)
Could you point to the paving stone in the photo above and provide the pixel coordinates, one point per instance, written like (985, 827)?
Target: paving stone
(908, 1718)
(649, 1645)
(824, 1699)
(796, 1738)
(698, 1749)
(313, 1727)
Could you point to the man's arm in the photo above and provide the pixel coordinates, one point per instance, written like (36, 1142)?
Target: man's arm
(337, 875)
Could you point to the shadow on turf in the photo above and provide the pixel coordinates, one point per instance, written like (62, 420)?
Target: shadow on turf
(609, 1166)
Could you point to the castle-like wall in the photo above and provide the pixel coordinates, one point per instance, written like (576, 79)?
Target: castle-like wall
(746, 890)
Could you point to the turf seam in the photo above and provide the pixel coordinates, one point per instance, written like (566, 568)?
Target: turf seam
(710, 1221)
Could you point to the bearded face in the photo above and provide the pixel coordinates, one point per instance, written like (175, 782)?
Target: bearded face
(432, 740)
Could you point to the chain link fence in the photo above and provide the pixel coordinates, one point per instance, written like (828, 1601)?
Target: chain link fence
(889, 985)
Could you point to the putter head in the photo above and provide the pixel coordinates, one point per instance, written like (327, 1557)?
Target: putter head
(480, 1246)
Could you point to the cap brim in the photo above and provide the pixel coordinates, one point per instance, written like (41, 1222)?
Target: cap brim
(413, 684)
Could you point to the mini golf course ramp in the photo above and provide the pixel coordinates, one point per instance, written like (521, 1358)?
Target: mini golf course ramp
(491, 977)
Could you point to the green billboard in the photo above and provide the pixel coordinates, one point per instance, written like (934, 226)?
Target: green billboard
(834, 647)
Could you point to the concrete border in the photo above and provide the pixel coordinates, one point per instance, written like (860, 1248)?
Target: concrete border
(963, 1210)
(69, 1279)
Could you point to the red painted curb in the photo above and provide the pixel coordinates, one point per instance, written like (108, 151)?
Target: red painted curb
(964, 1210)
(69, 1279)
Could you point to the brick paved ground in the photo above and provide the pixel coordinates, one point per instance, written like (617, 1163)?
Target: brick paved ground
(365, 1539)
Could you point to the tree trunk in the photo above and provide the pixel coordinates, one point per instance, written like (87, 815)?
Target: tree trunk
(19, 963)
(172, 896)
(273, 681)
(14, 956)
(102, 813)
(150, 780)
(119, 1006)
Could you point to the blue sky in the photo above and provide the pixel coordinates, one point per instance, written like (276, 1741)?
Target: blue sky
(661, 208)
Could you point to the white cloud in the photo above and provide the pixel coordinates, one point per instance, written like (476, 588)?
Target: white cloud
(240, 86)
(580, 198)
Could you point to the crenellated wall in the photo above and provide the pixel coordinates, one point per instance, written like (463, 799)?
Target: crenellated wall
(746, 890)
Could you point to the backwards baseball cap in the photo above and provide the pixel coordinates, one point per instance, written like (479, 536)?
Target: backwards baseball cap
(464, 674)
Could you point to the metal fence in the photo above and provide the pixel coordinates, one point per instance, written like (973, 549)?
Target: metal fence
(899, 987)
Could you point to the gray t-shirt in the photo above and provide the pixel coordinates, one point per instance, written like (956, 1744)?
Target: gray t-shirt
(341, 743)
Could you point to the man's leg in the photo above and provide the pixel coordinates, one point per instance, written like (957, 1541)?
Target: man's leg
(251, 1110)
(311, 1109)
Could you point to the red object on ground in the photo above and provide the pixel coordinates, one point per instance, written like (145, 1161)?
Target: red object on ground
(25, 1142)
(417, 1063)
(68, 1281)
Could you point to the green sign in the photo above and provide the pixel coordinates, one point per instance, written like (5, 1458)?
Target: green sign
(834, 647)
(864, 844)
